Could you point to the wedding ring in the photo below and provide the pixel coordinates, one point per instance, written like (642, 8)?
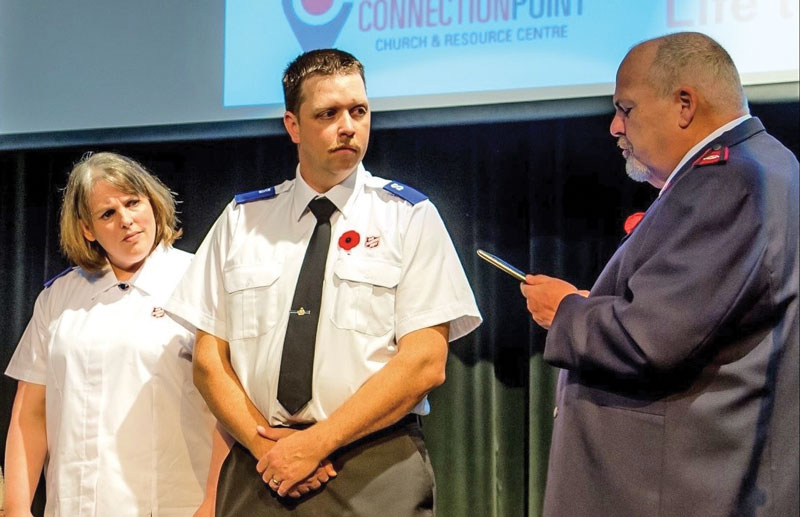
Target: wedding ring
(275, 482)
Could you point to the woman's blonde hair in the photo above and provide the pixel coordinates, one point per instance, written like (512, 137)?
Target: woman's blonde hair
(126, 175)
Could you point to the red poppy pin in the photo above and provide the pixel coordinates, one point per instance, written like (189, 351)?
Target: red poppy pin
(633, 220)
(349, 240)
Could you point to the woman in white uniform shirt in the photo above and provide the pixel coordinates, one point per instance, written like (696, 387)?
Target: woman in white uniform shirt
(105, 396)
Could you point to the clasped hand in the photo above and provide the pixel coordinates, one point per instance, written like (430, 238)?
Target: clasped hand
(292, 466)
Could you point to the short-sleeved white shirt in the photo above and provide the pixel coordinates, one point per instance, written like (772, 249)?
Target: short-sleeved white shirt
(403, 275)
(128, 434)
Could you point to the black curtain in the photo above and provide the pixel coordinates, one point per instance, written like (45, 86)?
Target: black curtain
(549, 196)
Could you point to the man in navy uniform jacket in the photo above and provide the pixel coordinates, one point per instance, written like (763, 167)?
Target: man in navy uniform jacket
(679, 390)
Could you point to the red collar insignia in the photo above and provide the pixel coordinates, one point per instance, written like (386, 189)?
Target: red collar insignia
(715, 154)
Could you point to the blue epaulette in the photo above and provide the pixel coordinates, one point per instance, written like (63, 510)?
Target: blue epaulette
(50, 282)
(410, 194)
(255, 195)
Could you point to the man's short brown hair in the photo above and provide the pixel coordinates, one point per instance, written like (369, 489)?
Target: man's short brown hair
(329, 61)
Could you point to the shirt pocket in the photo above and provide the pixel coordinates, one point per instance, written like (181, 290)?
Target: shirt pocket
(253, 299)
(365, 293)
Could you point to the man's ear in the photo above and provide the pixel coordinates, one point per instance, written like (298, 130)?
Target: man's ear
(688, 99)
(87, 233)
(292, 126)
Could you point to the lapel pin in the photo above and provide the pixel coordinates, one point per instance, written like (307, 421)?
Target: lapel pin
(349, 240)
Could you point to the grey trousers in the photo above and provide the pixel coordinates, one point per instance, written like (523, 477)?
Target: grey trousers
(385, 474)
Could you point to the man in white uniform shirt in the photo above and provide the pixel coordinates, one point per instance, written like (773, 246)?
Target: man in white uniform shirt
(394, 293)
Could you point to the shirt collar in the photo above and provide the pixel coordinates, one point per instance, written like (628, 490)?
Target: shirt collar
(150, 277)
(147, 279)
(702, 143)
(102, 281)
(341, 195)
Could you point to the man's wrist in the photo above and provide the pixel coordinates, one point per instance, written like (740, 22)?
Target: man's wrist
(259, 446)
(322, 439)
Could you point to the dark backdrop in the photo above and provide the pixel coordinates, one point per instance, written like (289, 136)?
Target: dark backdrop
(549, 196)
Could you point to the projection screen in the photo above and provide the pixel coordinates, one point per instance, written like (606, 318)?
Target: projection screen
(183, 68)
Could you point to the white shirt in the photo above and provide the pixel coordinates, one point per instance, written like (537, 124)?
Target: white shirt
(128, 434)
(402, 276)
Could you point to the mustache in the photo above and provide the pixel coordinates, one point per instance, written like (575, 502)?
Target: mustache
(623, 144)
(351, 147)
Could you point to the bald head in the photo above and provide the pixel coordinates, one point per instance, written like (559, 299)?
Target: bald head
(696, 60)
(671, 93)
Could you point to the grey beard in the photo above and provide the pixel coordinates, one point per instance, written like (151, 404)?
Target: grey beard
(636, 170)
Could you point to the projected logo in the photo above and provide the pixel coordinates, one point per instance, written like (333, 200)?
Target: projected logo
(317, 23)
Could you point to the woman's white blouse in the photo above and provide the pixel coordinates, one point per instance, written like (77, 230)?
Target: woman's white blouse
(128, 434)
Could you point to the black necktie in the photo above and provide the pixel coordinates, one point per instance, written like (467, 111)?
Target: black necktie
(297, 360)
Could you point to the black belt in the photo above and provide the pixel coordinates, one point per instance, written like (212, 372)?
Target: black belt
(410, 421)
(411, 418)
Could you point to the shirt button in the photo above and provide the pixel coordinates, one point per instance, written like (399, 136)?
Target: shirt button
(555, 412)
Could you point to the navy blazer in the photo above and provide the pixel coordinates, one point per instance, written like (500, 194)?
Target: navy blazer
(679, 391)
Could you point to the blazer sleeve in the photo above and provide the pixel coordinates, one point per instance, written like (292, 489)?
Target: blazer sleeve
(698, 269)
